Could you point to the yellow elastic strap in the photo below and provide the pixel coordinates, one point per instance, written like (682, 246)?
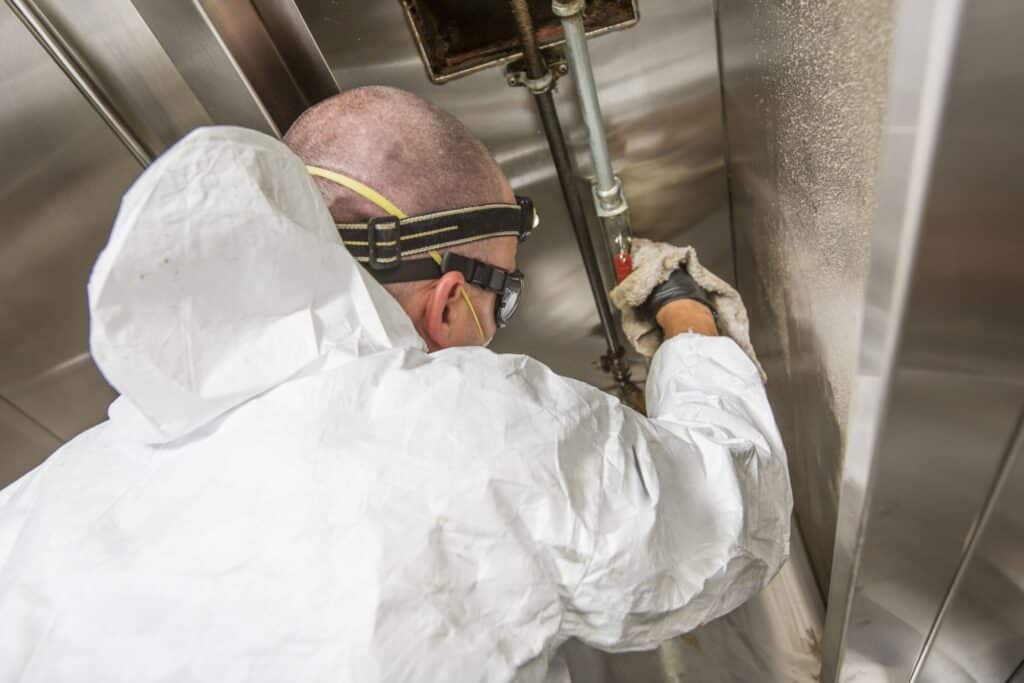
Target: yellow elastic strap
(465, 295)
(370, 194)
(364, 191)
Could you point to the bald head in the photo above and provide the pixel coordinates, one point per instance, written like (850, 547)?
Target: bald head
(422, 159)
(415, 154)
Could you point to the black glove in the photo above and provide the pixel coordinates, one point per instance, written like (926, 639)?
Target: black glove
(679, 285)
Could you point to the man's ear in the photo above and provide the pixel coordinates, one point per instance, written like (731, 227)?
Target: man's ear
(440, 306)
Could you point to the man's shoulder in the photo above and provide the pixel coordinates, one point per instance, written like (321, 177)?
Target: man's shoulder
(476, 370)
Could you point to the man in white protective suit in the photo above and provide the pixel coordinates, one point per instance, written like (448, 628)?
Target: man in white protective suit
(316, 472)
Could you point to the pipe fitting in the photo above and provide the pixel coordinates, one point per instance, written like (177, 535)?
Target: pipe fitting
(610, 202)
(567, 9)
(537, 86)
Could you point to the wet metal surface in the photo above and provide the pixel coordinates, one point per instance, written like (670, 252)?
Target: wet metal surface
(804, 88)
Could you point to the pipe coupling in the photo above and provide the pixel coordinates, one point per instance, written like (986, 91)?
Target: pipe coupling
(610, 202)
(566, 9)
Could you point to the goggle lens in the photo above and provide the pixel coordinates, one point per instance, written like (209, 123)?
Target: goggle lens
(508, 300)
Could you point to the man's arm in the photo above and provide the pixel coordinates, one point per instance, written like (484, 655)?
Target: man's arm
(686, 315)
(694, 503)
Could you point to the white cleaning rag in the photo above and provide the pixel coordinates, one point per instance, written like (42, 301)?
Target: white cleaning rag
(653, 262)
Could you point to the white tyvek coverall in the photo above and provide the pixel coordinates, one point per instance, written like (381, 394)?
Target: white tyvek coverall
(291, 489)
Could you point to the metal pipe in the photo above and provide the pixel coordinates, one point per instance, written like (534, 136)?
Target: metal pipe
(536, 68)
(608, 188)
(609, 197)
(72, 65)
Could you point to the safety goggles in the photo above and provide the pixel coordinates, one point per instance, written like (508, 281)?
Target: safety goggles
(507, 286)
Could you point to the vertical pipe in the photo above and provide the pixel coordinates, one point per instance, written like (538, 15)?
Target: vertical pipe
(71, 64)
(609, 199)
(590, 106)
(535, 69)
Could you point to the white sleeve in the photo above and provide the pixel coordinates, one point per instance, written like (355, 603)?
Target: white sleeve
(692, 515)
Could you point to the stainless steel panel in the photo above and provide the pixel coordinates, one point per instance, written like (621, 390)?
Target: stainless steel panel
(937, 453)
(74, 67)
(25, 442)
(68, 397)
(58, 204)
(62, 177)
(248, 62)
(298, 50)
(188, 35)
(940, 382)
(131, 67)
(803, 88)
(980, 636)
(660, 97)
(240, 27)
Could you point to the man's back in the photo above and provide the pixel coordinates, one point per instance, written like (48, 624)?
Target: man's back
(377, 535)
(336, 503)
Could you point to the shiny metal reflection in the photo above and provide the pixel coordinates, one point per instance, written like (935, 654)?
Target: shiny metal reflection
(993, 497)
(928, 577)
(73, 67)
(804, 88)
(63, 174)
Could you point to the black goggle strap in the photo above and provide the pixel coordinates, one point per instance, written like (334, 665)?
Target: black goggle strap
(385, 240)
(477, 273)
(381, 243)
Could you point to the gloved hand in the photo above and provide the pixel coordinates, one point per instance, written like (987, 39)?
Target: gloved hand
(679, 285)
(663, 273)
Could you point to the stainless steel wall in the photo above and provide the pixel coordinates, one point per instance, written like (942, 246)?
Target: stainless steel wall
(62, 175)
(928, 580)
(804, 92)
